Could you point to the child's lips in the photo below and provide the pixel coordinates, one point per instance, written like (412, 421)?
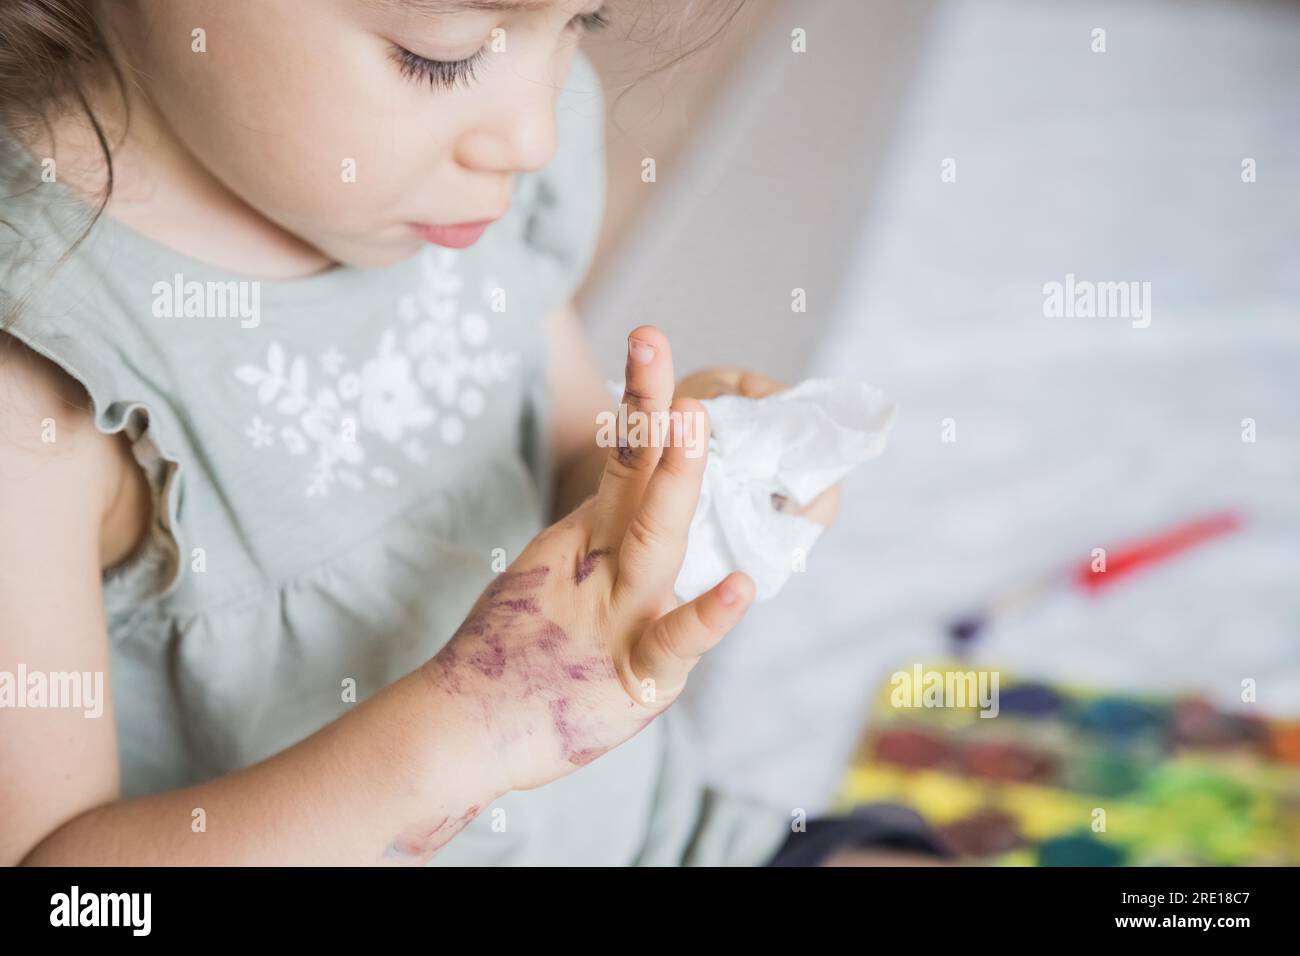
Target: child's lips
(456, 236)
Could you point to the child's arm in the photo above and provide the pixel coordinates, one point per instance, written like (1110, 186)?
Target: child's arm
(66, 510)
(568, 653)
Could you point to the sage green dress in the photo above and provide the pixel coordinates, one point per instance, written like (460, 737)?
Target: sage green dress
(333, 477)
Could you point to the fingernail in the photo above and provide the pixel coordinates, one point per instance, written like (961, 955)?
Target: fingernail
(728, 594)
(640, 352)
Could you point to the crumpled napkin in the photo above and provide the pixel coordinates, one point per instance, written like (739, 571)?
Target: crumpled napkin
(794, 444)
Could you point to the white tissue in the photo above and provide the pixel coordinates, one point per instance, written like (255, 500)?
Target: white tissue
(796, 444)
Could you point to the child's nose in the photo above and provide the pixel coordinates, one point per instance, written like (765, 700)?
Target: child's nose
(519, 137)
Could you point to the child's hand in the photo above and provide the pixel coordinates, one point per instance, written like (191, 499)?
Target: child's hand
(727, 380)
(580, 643)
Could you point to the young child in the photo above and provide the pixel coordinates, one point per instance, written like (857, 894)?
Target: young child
(288, 376)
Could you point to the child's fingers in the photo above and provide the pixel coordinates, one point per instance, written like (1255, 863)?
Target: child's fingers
(648, 390)
(671, 645)
(824, 508)
(758, 385)
(655, 543)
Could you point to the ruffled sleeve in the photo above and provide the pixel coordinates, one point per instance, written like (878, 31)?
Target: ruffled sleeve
(154, 568)
(45, 306)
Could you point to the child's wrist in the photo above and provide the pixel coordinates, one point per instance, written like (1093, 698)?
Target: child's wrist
(460, 743)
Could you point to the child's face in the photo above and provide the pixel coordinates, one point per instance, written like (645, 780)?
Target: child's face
(312, 113)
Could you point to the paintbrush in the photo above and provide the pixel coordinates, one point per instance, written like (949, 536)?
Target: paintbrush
(1093, 574)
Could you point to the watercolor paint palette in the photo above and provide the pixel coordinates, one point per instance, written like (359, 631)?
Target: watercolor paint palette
(1071, 777)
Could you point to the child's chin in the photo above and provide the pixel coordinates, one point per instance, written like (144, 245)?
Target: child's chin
(376, 254)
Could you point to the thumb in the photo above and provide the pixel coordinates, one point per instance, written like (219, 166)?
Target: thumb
(671, 646)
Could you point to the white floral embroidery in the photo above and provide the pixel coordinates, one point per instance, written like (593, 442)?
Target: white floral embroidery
(433, 369)
(331, 361)
(262, 434)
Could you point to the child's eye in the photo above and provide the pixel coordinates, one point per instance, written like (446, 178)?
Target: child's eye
(446, 74)
(591, 21)
(439, 74)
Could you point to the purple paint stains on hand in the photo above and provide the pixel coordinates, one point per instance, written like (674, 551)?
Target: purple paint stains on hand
(571, 742)
(550, 637)
(424, 840)
(490, 660)
(587, 564)
(549, 696)
(506, 599)
(592, 668)
(520, 605)
(511, 582)
(442, 673)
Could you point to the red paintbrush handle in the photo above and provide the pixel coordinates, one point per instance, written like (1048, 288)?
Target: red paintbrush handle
(1146, 551)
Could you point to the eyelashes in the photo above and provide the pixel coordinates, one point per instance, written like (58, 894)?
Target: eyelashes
(448, 74)
(593, 21)
(439, 74)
